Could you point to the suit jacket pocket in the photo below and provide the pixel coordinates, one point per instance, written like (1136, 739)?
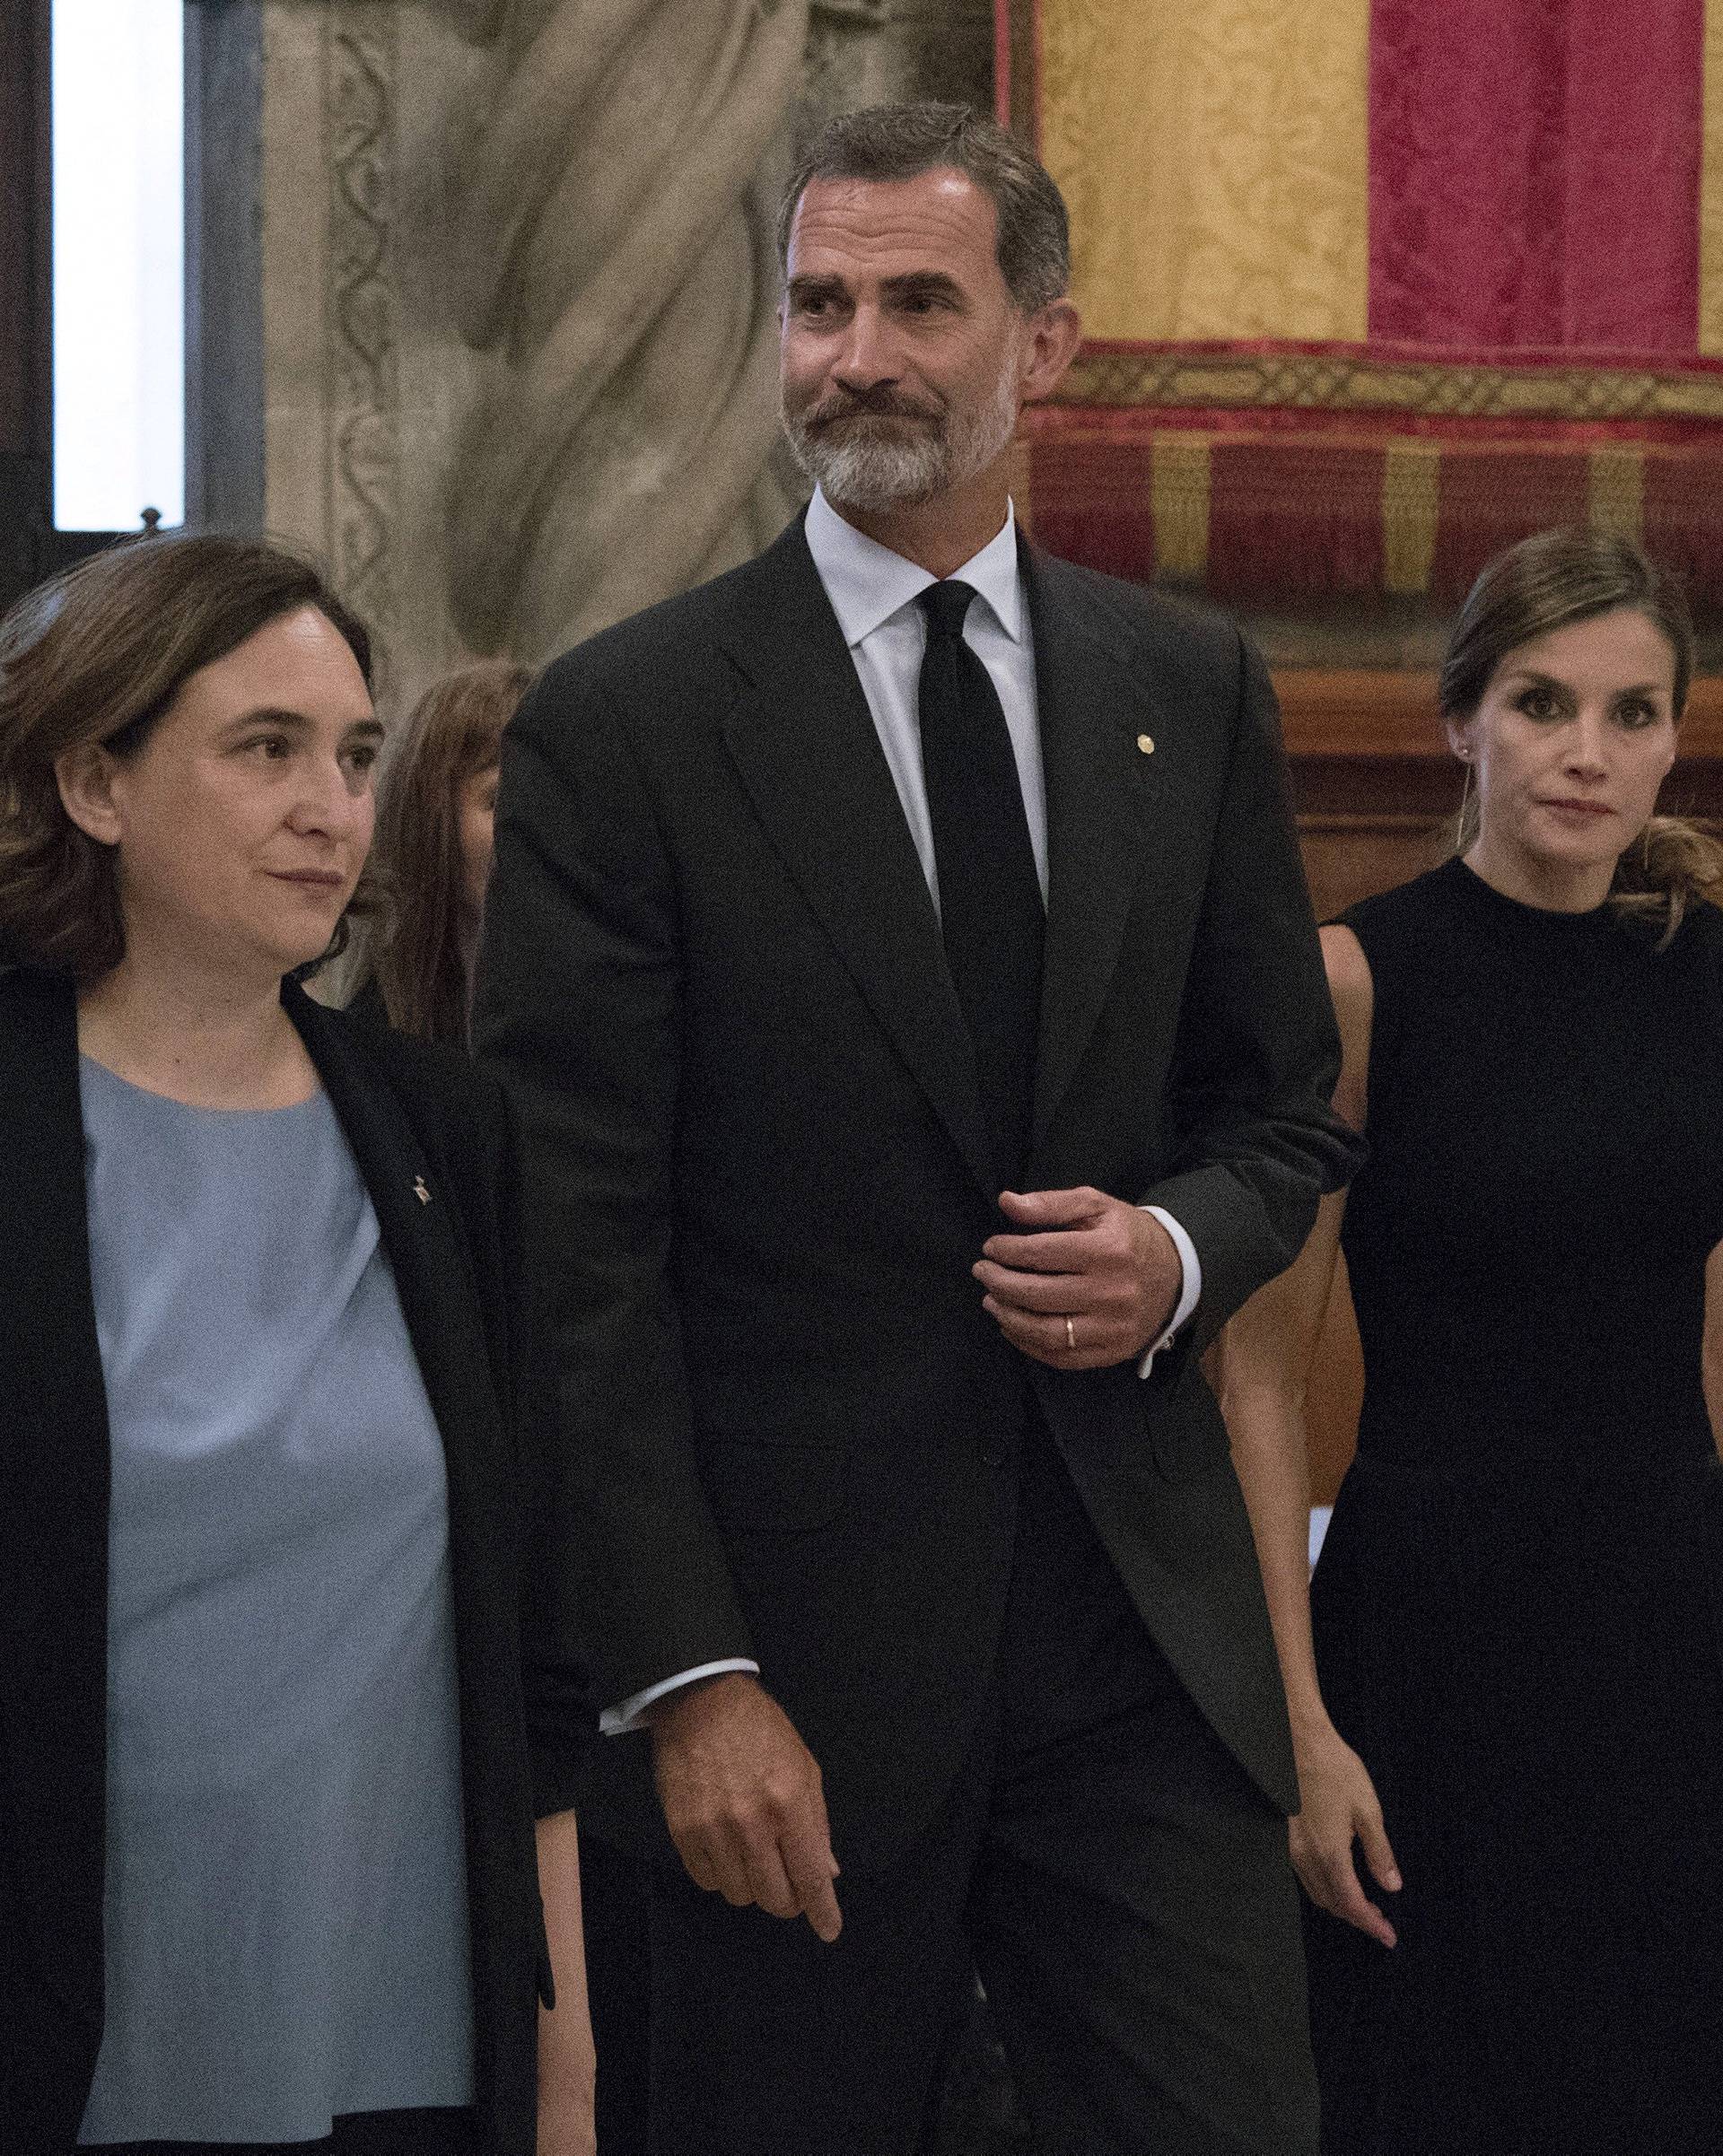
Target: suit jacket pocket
(774, 1489)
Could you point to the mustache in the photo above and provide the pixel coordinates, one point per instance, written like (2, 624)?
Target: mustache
(879, 403)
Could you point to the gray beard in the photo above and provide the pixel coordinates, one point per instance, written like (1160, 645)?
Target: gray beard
(871, 469)
(870, 472)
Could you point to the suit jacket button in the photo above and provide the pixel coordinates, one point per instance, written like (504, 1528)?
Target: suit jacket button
(994, 1455)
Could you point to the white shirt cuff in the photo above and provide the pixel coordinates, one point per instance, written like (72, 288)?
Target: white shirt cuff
(1190, 1292)
(618, 1721)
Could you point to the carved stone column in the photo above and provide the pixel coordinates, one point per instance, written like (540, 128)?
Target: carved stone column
(612, 261)
(872, 52)
(518, 290)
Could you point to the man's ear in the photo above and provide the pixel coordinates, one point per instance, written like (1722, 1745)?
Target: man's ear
(85, 778)
(1055, 331)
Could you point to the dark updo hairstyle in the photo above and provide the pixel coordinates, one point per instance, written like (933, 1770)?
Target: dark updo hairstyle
(98, 654)
(414, 958)
(1547, 582)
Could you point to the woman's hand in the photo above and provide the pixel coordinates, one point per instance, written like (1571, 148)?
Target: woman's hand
(1339, 1805)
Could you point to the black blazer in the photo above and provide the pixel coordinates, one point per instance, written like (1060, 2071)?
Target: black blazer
(714, 974)
(407, 1113)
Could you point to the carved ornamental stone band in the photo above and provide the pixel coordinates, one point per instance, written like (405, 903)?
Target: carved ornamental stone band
(359, 103)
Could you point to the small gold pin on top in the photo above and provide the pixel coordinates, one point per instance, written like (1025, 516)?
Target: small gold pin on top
(420, 1191)
(1146, 743)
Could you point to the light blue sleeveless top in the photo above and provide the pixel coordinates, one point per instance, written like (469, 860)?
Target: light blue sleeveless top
(286, 1895)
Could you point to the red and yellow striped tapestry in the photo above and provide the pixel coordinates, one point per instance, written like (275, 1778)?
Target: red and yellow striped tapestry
(1372, 287)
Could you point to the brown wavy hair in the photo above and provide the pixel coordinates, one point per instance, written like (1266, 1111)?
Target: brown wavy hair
(415, 960)
(98, 654)
(1547, 582)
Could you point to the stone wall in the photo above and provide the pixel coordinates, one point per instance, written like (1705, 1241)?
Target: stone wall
(517, 290)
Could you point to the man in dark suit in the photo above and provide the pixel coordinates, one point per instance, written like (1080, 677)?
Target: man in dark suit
(900, 950)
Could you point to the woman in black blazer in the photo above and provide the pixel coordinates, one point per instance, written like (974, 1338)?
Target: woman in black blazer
(268, 1769)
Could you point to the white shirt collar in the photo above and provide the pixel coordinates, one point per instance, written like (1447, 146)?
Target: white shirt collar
(868, 583)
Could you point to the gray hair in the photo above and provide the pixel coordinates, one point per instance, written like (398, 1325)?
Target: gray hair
(902, 142)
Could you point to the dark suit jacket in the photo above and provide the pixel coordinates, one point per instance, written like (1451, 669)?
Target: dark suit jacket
(407, 1112)
(714, 972)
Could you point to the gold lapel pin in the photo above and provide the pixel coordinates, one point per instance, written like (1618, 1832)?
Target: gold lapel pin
(420, 1191)
(1146, 743)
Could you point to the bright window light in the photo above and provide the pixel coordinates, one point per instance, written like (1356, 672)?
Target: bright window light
(119, 360)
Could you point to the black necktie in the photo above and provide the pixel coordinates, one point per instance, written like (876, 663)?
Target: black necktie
(989, 899)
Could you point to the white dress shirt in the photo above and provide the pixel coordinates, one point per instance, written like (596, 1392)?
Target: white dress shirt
(874, 593)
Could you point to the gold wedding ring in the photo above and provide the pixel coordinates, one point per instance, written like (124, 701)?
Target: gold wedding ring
(1070, 1335)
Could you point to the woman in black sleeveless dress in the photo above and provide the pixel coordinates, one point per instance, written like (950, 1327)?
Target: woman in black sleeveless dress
(1517, 1621)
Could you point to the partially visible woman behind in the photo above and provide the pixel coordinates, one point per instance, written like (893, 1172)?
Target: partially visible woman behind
(1516, 1612)
(435, 814)
(267, 1790)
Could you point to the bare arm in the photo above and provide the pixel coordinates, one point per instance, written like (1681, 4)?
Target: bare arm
(566, 2125)
(1263, 1367)
(1712, 1366)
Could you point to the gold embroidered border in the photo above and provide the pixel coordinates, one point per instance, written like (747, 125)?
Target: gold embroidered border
(1179, 494)
(1616, 490)
(1710, 191)
(1250, 381)
(1411, 511)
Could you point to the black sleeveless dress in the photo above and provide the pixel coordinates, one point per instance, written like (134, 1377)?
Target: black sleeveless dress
(1518, 1618)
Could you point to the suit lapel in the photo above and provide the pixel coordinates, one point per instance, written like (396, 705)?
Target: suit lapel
(1092, 710)
(424, 1241)
(421, 1233)
(803, 740)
